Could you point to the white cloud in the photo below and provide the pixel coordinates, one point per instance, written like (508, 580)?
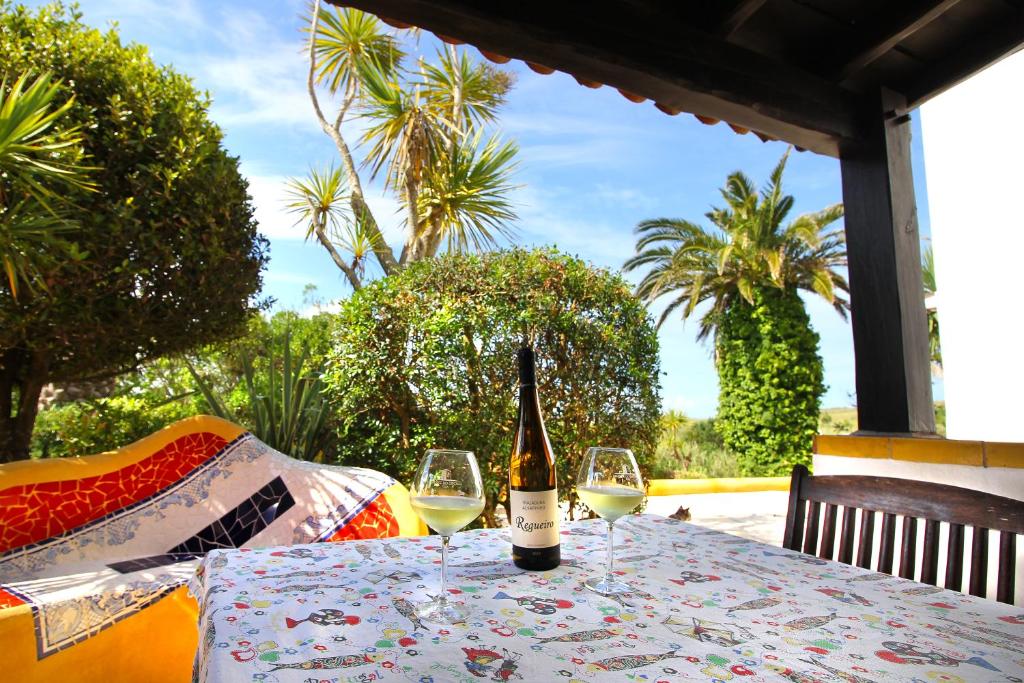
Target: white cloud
(544, 218)
(317, 309)
(269, 199)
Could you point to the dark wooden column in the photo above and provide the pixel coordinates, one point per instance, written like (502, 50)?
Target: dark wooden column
(890, 332)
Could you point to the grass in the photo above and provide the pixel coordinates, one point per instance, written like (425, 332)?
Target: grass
(844, 420)
(691, 449)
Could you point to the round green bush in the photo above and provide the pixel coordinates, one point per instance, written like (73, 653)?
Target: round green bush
(426, 358)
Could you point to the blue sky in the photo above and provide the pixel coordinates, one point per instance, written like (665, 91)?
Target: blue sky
(592, 164)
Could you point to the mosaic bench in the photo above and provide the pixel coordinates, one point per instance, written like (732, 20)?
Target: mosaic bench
(95, 551)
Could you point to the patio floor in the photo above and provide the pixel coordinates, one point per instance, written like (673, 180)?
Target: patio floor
(760, 516)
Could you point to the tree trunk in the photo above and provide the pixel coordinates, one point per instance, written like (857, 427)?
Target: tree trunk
(360, 209)
(22, 376)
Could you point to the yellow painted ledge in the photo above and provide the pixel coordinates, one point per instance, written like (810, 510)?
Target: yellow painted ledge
(925, 450)
(677, 487)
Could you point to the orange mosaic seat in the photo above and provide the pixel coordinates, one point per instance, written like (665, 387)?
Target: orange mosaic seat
(95, 551)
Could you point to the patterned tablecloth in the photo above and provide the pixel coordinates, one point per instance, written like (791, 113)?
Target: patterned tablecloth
(707, 606)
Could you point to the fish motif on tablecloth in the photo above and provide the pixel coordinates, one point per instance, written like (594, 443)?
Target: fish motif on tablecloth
(405, 608)
(324, 617)
(804, 623)
(582, 636)
(536, 605)
(321, 663)
(634, 661)
(760, 603)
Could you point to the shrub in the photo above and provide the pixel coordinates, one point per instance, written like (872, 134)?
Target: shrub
(94, 426)
(691, 449)
(770, 382)
(426, 358)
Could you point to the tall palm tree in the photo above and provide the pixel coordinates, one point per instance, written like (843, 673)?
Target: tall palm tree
(747, 246)
(37, 160)
(422, 134)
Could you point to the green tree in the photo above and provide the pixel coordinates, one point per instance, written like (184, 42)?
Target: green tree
(750, 264)
(38, 161)
(426, 358)
(168, 254)
(424, 133)
(771, 382)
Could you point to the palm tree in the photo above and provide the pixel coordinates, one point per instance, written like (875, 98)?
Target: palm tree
(37, 159)
(747, 247)
(422, 134)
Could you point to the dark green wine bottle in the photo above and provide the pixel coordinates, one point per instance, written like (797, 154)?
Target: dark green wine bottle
(533, 492)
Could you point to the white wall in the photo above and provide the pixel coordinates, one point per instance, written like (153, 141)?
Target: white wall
(1002, 481)
(974, 163)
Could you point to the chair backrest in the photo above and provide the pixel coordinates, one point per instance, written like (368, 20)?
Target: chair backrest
(811, 527)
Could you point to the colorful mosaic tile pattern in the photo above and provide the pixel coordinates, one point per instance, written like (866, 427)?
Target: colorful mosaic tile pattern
(237, 526)
(375, 521)
(35, 512)
(705, 606)
(105, 563)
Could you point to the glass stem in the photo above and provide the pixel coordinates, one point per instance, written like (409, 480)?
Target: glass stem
(443, 598)
(611, 547)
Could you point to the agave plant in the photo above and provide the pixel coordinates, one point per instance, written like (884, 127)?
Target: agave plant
(287, 409)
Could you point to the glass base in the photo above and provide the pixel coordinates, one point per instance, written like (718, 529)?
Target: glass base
(607, 586)
(446, 612)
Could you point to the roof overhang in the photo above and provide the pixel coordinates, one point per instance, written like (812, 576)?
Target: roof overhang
(733, 61)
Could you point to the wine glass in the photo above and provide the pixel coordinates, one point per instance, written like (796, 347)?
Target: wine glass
(447, 494)
(609, 483)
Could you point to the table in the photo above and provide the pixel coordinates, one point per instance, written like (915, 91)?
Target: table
(708, 606)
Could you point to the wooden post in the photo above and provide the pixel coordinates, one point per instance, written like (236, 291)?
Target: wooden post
(890, 331)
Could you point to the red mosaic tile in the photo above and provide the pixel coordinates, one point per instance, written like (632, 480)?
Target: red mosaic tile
(9, 599)
(375, 521)
(34, 512)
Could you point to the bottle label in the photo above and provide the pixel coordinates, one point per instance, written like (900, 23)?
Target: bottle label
(534, 518)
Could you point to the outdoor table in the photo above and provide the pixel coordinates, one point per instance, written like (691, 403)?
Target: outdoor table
(707, 606)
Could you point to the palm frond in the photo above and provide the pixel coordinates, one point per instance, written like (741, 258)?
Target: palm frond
(465, 198)
(319, 200)
(345, 42)
(481, 88)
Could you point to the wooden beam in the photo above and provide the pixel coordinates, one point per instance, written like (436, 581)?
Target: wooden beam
(885, 35)
(666, 61)
(986, 49)
(737, 16)
(890, 333)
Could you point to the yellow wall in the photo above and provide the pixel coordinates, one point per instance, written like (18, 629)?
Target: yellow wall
(925, 450)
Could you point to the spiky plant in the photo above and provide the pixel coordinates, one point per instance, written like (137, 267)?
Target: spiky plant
(287, 409)
(37, 160)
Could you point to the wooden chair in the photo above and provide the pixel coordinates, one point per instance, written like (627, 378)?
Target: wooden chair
(914, 500)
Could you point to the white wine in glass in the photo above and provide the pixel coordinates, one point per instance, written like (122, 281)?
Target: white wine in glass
(609, 483)
(447, 494)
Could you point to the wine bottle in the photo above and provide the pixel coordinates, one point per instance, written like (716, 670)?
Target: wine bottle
(533, 492)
